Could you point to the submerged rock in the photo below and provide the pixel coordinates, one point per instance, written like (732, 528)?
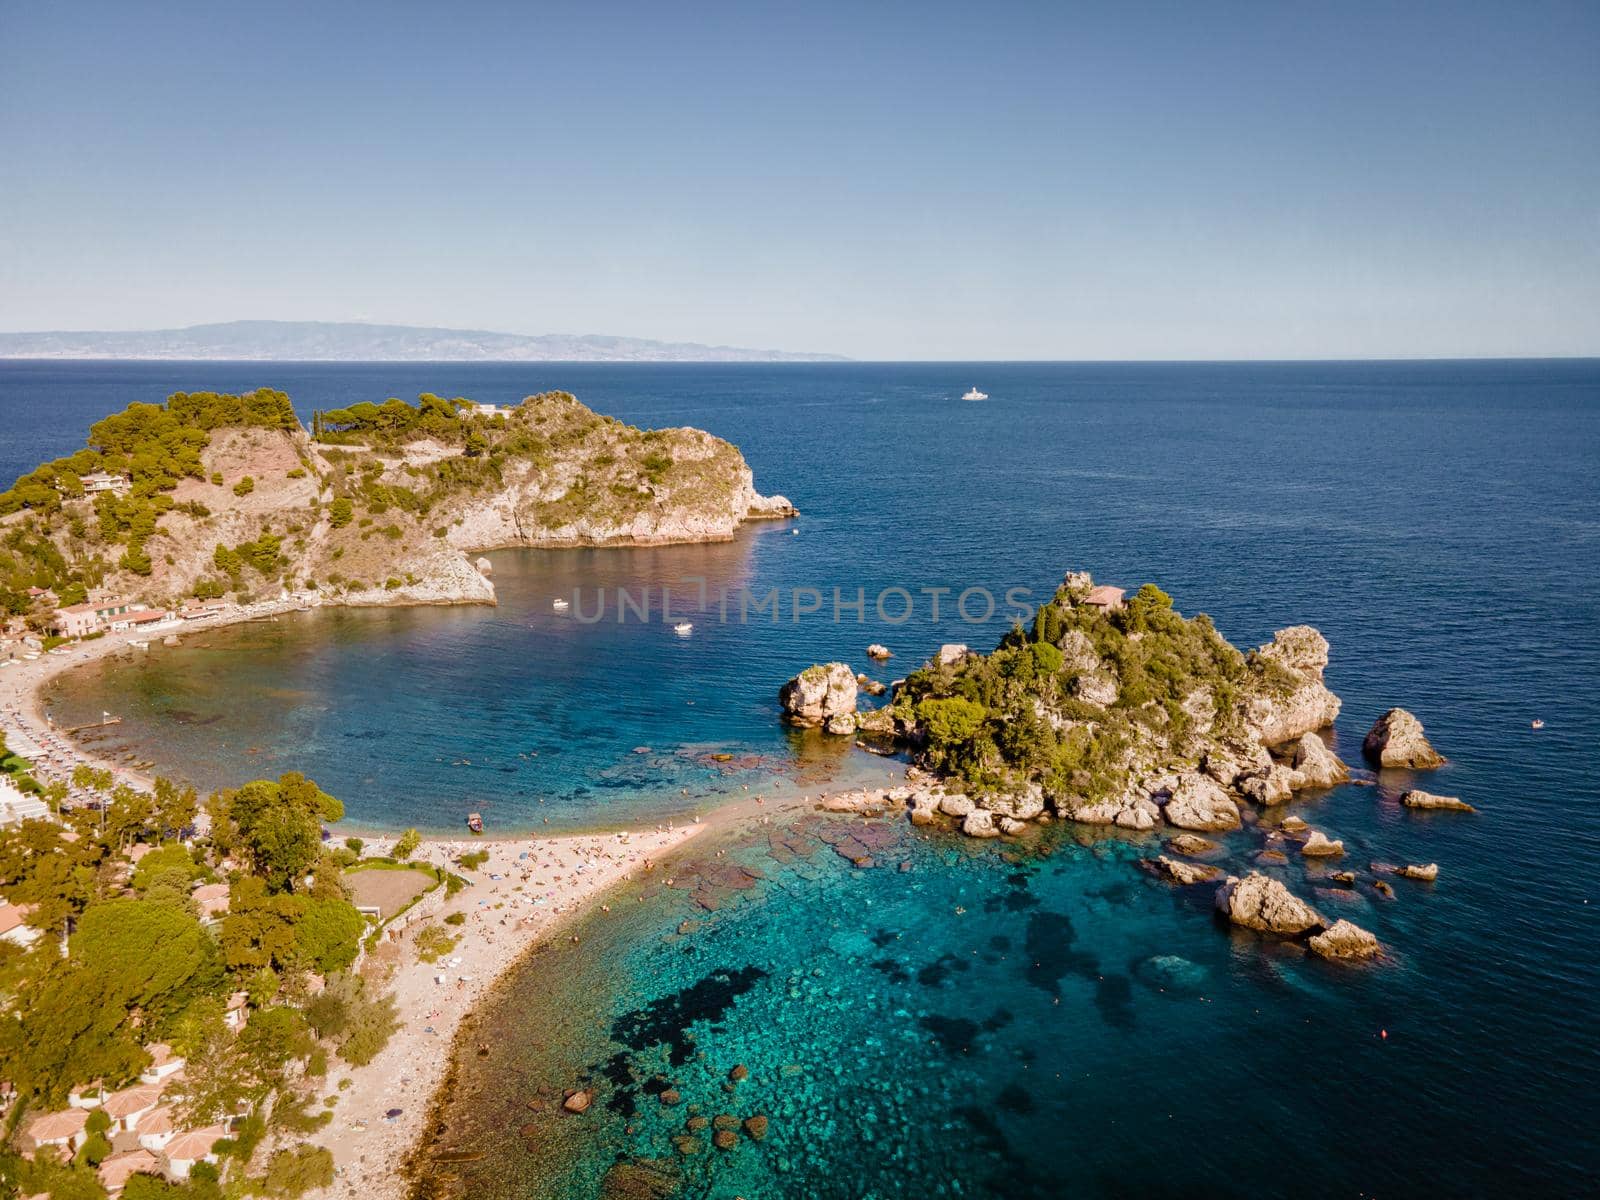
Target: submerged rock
(821, 695)
(577, 1101)
(756, 1127)
(1416, 798)
(1190, 844)
(1198, 802)
(1257, 902)
(1345, 939)
(1396, 739)
(1319, 845)
(879, 651)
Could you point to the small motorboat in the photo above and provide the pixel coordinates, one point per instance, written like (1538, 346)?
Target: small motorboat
(975, 394)
(560, 605)
(683, 628)
(475, 822)
(1538, 724)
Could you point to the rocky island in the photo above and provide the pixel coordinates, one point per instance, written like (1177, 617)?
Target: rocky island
(213, 495)
(1125, 714)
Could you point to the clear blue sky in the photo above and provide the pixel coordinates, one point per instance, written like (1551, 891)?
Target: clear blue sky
(1281, 178)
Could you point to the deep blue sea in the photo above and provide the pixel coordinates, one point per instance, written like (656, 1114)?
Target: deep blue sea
(1032, 1020)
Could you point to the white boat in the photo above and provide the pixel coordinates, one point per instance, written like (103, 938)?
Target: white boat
(975, 394)
(683, 628)
(560, 605)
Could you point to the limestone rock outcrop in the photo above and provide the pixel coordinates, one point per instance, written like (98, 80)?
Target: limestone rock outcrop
(1396, 739)
(1315, 766)
(979, 823)
(822, 695)
(1345, 940)
(1426, 872)
(1259, 902)
(1298, 702)
(1198, 802)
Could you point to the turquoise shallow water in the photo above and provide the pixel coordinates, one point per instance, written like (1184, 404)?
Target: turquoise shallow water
(1438, 521)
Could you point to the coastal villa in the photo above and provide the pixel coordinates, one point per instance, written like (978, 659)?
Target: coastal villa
(64, 1129)
(79, 620)
(14, 927)
(212, 899)
(115, 1171)
(164, 1064)
(103, 481)
(16, 806)
(492, 410)
(193, 1146)
(1105, 597)
(157, 1129)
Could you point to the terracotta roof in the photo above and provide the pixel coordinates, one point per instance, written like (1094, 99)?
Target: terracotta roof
(115, 1170)
(144, 615)
(160, 1053)
(237, 1000)
(54, 1126)
(1104, 594)
(194, 1144)
(132, 1100)
(211, 891)
(157, 1120)
(13, 916)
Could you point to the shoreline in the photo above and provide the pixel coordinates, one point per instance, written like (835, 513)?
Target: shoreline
(527, 891)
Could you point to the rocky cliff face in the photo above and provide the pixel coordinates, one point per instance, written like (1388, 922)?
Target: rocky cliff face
(372, 517)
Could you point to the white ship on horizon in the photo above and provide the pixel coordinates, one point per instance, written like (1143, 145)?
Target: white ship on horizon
(975, 394)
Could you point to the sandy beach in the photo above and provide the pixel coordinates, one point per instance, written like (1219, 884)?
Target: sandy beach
(517, 899)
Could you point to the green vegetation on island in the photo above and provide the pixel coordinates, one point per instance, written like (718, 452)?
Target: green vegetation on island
(212, 495)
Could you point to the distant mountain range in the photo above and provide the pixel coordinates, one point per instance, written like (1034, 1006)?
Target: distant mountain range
(290, 341)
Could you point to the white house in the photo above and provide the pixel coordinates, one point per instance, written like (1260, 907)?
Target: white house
(164, 1064)
(237, 1014)
(103, 481)
(65, 1128)
(114, 1171)
(127, 1106)
(190, 1147)
(157, 1129)
(88, 1095)
(14, 927)
(493, 410)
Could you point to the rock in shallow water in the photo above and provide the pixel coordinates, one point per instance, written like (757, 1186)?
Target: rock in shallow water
(1345, 939)
(1257, 902)
(1181, 872)
(1416, 798)
(1319, 845)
